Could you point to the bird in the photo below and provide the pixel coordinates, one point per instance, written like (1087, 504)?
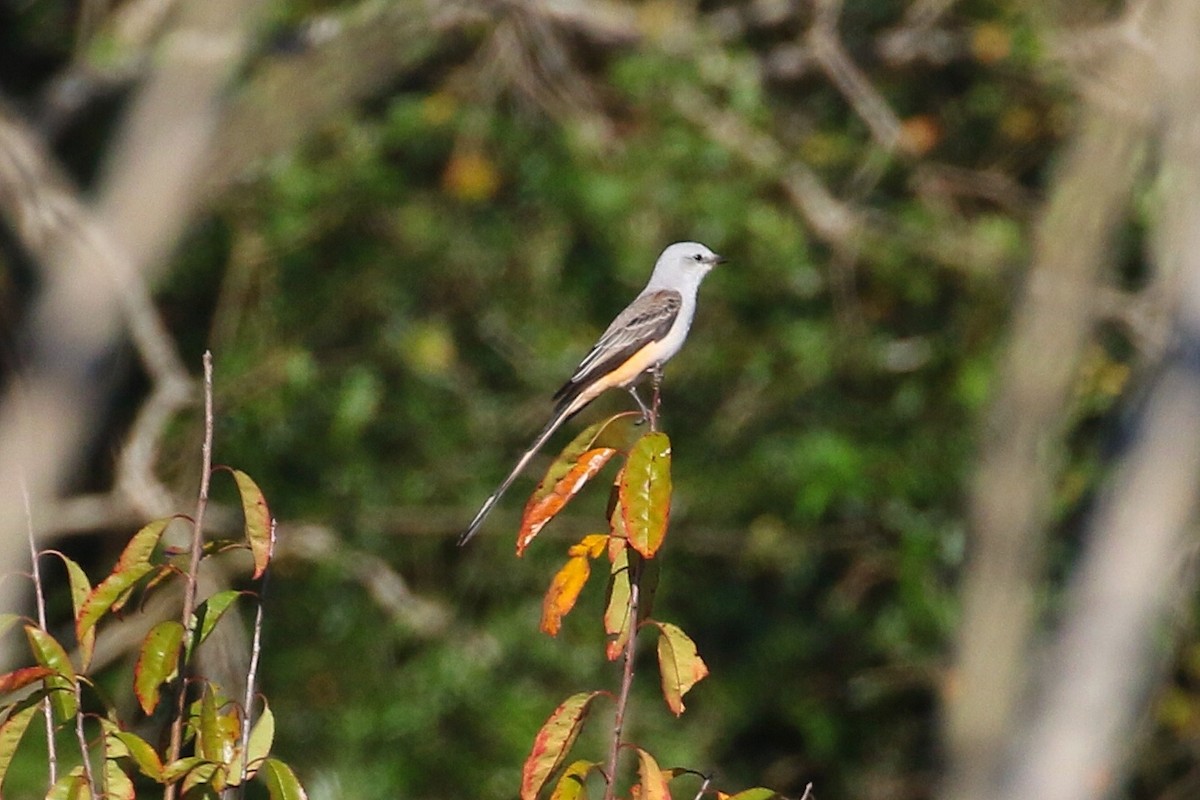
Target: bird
(640, 339)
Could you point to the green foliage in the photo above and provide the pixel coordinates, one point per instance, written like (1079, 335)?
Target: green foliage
(214, 725)
(393, 302)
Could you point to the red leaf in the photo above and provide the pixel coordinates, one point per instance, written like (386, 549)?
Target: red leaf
(645, 493)
(679, 664)
(563, 592)
(157, 662)
(553, 742)
(20, 678)
(653, 782)
(258, 520)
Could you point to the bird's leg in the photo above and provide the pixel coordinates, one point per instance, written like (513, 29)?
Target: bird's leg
(656, 374)
(645, 411)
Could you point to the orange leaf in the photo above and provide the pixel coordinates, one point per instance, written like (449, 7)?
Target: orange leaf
(553, 742)
(563, 592)
(679, 664)
(653, 782)
(591, 545)
(645, 493)
(541, 509)
(578, 462)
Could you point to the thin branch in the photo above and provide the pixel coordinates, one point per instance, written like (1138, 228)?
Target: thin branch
(252, 672)
(703, 787)
(40, 597)
(189, 592)
(614, 752)
(844, 74)
(81, 737)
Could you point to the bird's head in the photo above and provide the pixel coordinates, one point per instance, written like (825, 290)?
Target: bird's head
(685, 262)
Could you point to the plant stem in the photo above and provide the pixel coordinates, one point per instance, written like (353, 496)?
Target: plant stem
(189, 591)
(82, 738)
(252, 673)
(626, 678)
(40, 596)
(656, 375)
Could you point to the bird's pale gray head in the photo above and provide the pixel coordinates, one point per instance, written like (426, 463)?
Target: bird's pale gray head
(684, 262)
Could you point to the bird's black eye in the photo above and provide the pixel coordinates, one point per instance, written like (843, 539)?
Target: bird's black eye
(698, 257)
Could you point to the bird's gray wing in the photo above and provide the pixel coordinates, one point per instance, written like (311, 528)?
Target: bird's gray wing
(647, 319)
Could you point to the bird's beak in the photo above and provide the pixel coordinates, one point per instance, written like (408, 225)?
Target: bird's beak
(718, 260)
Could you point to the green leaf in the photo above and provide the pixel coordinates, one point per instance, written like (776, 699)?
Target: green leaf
(219, 730)
(72, 786)
(157, 662)
(81, 589)
(553, 742)
(181, 767)
(258, 521)
(571, 785)
(616, 607)
(61, 685)
(645, 493)
(679, 664)
(757, 793)
(206, 774)
(133, 565)
(137, 750)
(262, 737)
(208, 614)
(117, 785)
(281, 782)
(11, 731)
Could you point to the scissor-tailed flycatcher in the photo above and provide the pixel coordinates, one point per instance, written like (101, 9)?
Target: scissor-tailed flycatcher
(643, 337)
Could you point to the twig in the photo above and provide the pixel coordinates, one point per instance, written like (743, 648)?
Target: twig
(81, 737)
(703, 787)
(52, 754)
(626, 683)
(845, 75)
(655, 400)
(252, 673)
(808, 793)
(189, 592)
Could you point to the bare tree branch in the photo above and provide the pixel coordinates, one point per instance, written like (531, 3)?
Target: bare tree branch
(144, 200)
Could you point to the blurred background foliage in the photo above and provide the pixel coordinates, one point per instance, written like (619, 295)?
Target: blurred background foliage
(392, 301)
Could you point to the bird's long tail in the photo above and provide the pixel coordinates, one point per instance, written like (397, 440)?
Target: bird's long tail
(561, 414)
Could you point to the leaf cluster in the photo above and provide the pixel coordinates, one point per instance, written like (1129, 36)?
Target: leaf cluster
(227, 749)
